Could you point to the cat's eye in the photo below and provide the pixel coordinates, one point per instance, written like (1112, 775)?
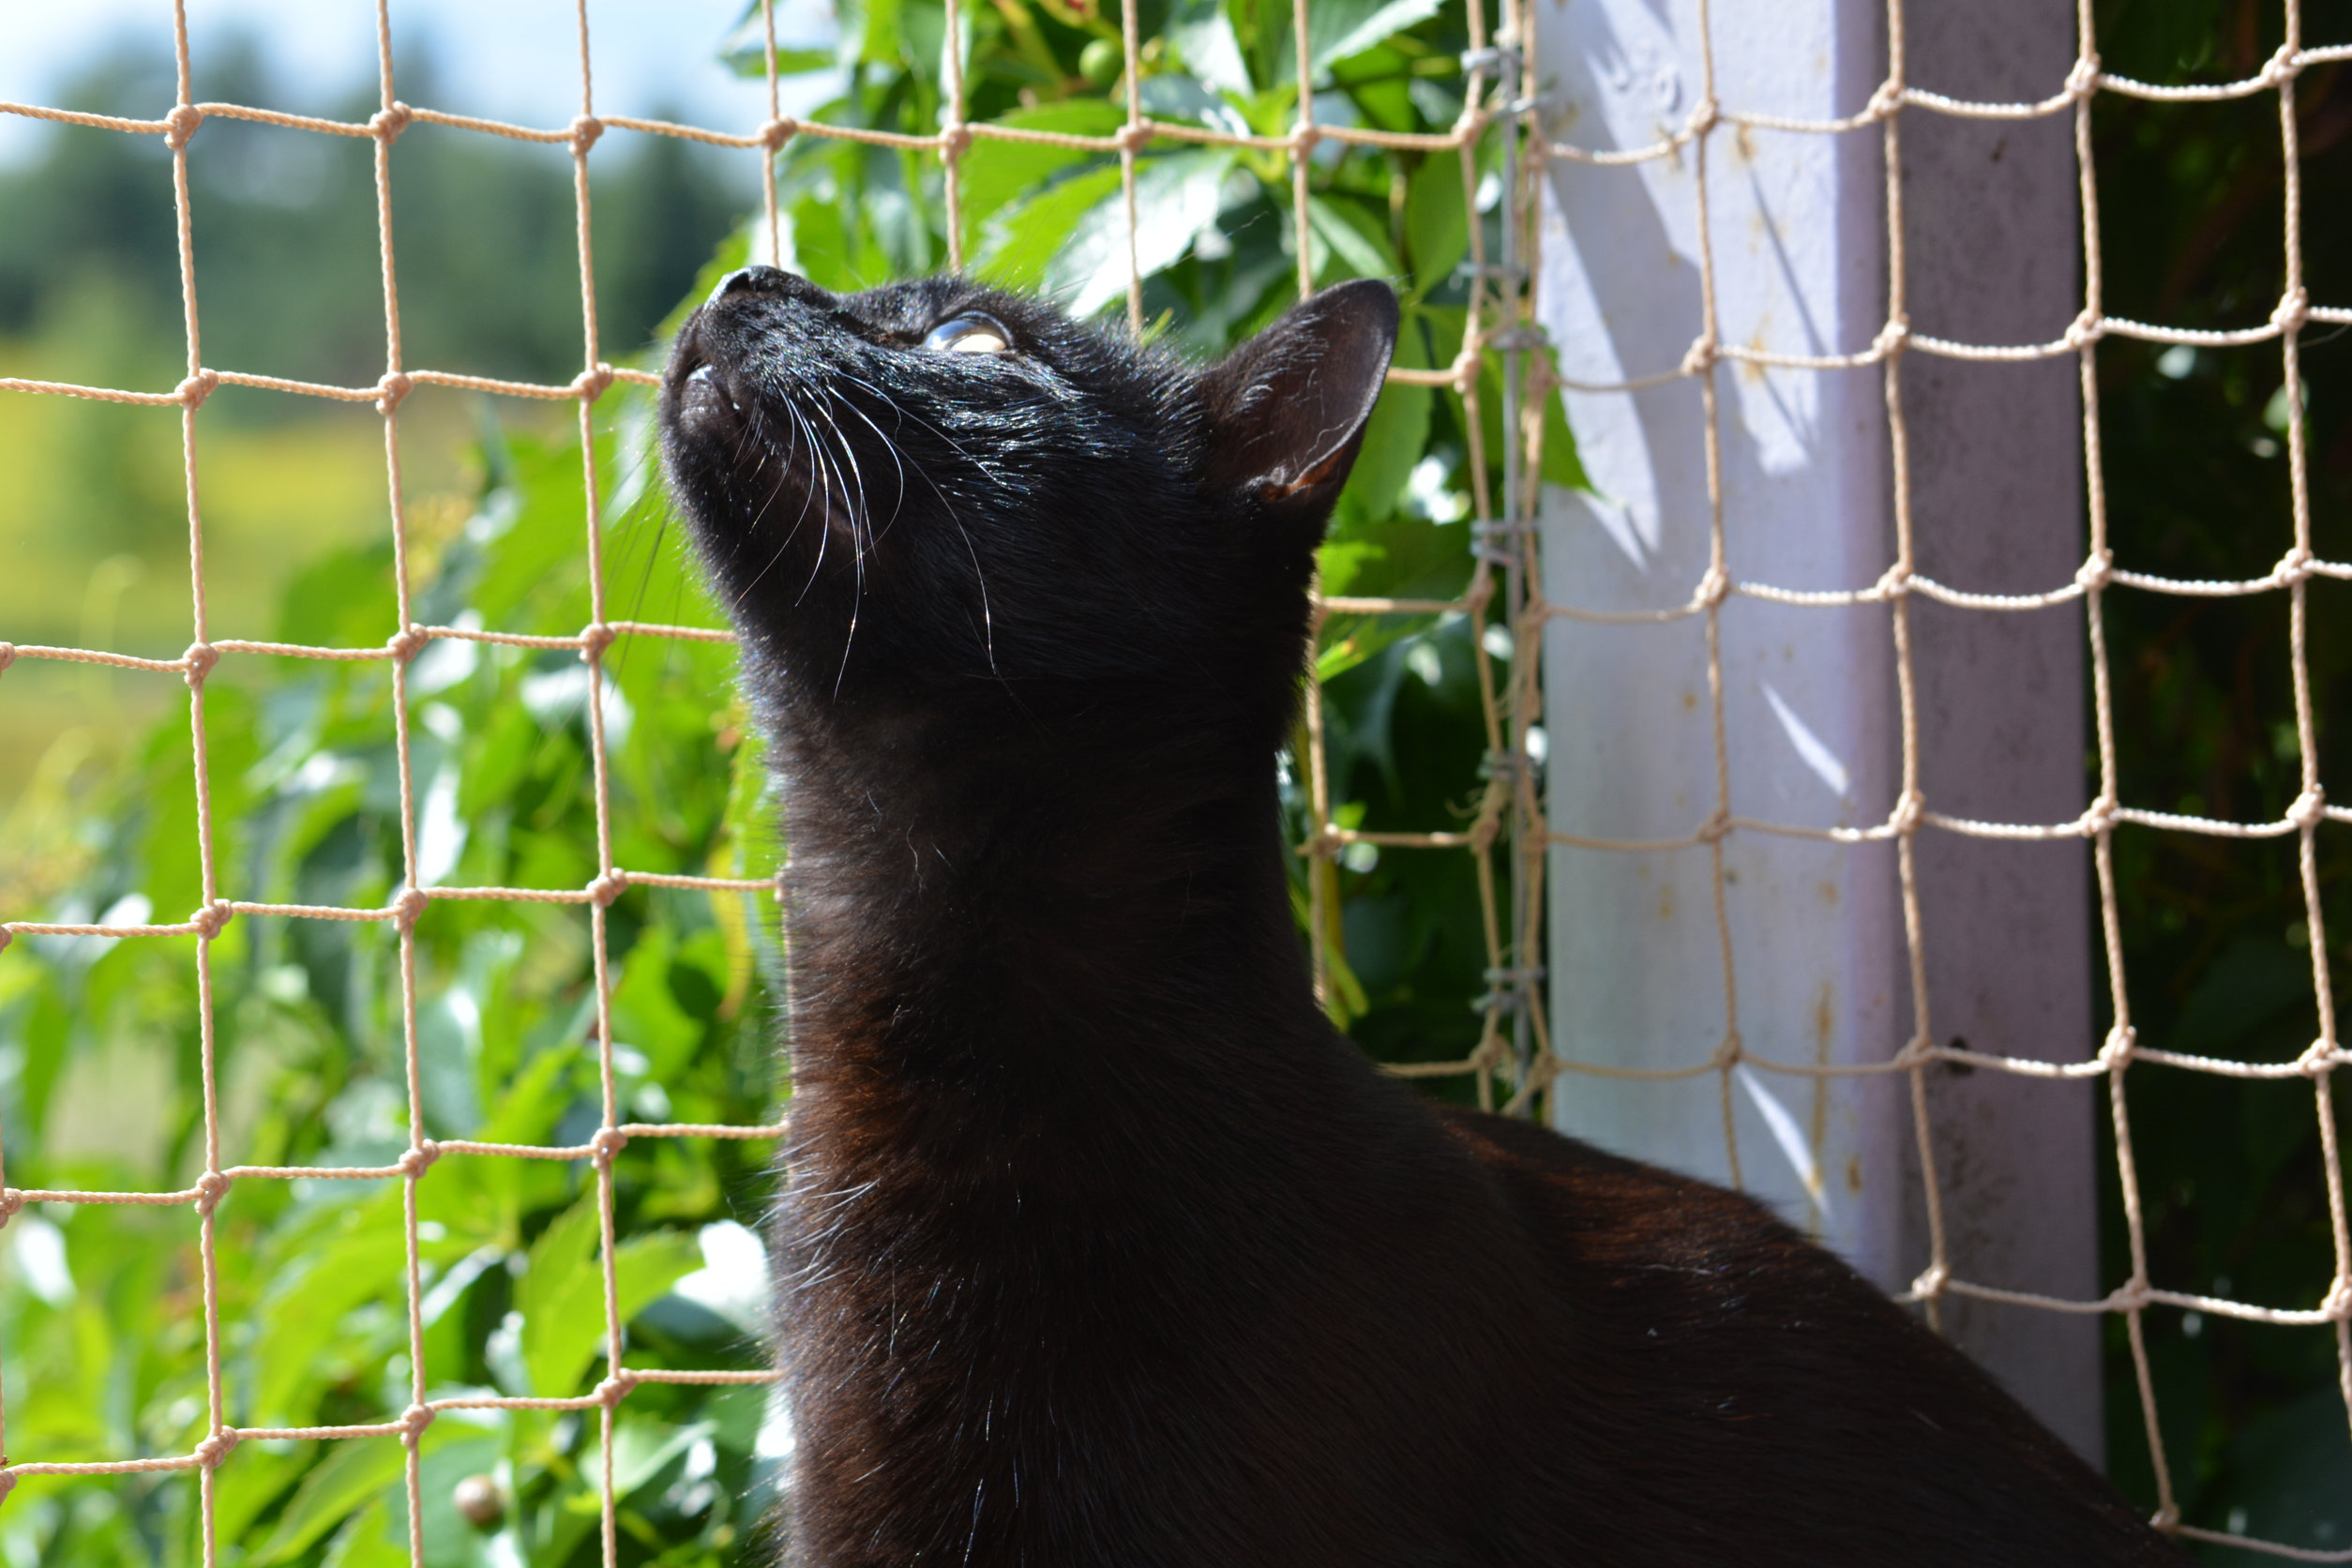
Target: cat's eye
(969, 334)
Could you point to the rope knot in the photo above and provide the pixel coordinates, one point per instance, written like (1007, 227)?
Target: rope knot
(2084, 329)
(2281, 68)
(595, 638)
(7, 936)
(774, 134)
(408, 906)
(1540, 1071)
(407, 643)
(181, 124)
(614, 1389)
(2098, 817)
(2166, 1518)
(2318, 1058)
(954, 139)
(2083, 78)
(1915, 1053)
(413, 1423)
(1728, 1050)
(1931, 1281)
(2293, 310)
(1491, 1053)
(1894, 584)
(2130, 1296)
(211, 1187)
(1886, 101)
(392, 391)
(1713, 588)
(2121, 1044)
(8, 655)
(590, 383)
(2292, 567)
(1910, 809)
(2096, 570)
(1704, 116)
(1303, 140)
(211, 917)
(2310, 808)
(216, 1448)
(608, 887)
(607, 1145)
(198, 662)
(386, 124)
(2337, 1303)
(1467, 365)
(1893, 339)
(1701, 356)
(192, 391)
(415, 1162)
(585, 129)
(1716, 826)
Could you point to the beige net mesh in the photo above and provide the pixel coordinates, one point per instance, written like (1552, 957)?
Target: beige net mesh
(1513, 1062)
(2098, 574)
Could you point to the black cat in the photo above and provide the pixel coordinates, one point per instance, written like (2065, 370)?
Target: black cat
(1100, 1246)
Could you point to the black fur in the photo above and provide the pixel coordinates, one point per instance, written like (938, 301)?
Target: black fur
(1101, 1246)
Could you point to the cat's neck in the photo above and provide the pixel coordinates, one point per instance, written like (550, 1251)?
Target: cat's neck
(983, 898)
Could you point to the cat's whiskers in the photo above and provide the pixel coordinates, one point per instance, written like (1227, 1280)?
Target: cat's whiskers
(857, 510)
(987, 616)
(890, 446)
(823, 466)
(783, 474)
(892, 404)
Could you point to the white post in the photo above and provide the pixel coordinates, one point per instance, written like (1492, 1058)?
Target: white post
(1799, 952)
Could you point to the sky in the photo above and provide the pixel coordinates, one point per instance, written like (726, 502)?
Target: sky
(504, 60)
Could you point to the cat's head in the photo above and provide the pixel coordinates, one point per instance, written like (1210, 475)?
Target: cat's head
(939, 493)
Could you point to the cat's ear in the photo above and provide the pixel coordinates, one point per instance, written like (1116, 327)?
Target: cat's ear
(1288, 408)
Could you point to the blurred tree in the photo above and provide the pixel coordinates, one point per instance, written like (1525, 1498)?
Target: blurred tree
(288, 279)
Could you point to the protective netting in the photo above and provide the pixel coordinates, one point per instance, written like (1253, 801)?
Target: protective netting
(2098, 574)
(1513, 1054)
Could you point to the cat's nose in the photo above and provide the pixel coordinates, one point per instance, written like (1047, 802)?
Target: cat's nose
(767, 280)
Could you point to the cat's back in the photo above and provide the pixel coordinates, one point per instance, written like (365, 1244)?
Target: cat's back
(1752, 1399)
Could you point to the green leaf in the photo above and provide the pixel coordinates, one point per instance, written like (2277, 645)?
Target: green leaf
(1393, 440)
(870, 32)
(995, 174)
(646, 1015)
(329, 1272)
(819, 244)
(1176, 196)
(751, 59)
(372, 1539)
(642, 1446)
(562, 1296)
(355, 1470)
(1340, 28)
(1437, 220)
(1563, 465)
(1366, 254)
(1337, 29)
(1202, 37)
(1022, 240)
